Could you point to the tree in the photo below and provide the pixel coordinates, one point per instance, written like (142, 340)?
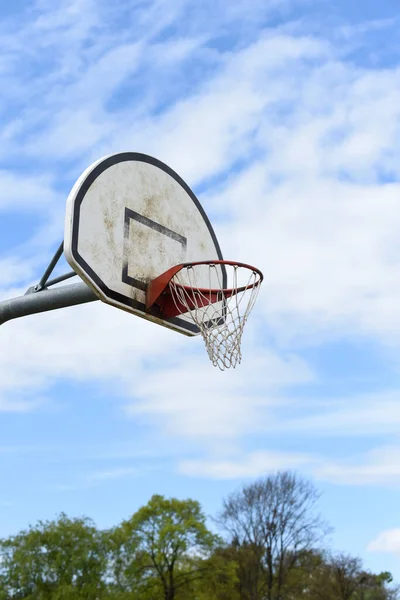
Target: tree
(309, 579)
(274, 518)
(160, 549)
(166, 552)
(319, 576)
(219, 579)
(58, 560)
(345, 575)
(376, 587)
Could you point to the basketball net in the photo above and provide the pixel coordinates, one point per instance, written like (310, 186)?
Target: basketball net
(220, 311)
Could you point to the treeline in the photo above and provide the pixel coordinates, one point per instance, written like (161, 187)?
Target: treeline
(270, 548)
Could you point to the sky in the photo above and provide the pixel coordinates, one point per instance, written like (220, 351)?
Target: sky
(283, 116)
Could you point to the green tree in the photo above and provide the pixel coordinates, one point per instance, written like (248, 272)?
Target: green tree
(342, 578)
(219, 579)
(376, 587)
(58, 560)
(320, 576)
(161, 549)
(309, 578)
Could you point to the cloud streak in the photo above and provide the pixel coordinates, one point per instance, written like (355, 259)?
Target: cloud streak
(254, 465)
(386, 541)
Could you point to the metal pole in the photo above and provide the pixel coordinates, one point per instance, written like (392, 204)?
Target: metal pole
(61, 278)
(50, 268)
(68, 295)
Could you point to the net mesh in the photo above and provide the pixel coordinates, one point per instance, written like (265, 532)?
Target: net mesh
(219, 299)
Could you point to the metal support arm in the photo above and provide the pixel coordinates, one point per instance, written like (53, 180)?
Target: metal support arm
(44, 300)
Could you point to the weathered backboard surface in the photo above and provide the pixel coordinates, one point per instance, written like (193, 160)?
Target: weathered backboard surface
(129, 218)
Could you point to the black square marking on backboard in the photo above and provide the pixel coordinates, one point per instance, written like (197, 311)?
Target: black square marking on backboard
(132, 215)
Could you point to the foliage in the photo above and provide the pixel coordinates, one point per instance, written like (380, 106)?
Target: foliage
(166, 552)
(219, 579)
(161, 548)
(61, 560)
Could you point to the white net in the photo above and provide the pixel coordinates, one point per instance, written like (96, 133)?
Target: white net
(219, 298)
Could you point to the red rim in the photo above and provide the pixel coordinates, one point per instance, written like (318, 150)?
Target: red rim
(231, 263)
(158, 292)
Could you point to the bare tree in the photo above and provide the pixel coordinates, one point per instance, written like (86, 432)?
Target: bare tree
(345, 575)
(275, 519)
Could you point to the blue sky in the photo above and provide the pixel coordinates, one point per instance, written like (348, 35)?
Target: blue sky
(283, 116)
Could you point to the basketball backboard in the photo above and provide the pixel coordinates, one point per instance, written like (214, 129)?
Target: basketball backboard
(129, 218)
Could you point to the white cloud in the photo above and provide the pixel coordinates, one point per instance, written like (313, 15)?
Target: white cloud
(165, 376)
(353, 416)
(380, 466)
(191, 399)
(386, 541)
(97, 478)
(30, 193)
(255, 464)
(110, 474)
(13, 403)
(14, 270)
(315, 138)
(243, 86)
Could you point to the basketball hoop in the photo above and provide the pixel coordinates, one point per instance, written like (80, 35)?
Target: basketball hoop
(218, 295)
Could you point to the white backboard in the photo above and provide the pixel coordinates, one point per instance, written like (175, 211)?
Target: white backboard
(129, 218)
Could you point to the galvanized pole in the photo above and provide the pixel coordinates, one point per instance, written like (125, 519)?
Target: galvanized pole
(44, 300)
